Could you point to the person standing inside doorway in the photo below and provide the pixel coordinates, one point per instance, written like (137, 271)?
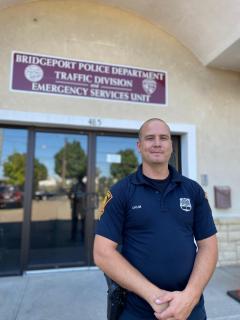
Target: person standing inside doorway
(163, 222)
(77, 197)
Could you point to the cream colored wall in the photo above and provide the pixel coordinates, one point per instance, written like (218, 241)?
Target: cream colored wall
(84, 30)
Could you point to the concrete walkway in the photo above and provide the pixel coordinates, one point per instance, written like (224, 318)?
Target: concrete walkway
(81, 295)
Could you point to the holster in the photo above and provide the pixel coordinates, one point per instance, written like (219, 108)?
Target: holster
(116, 297)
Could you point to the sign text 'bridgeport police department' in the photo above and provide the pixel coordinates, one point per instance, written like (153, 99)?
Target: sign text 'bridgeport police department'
(53, 75)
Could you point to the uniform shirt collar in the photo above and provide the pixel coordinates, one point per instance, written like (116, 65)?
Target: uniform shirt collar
(138, 178)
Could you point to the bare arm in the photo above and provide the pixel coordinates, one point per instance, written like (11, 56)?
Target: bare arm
(120, 270)
(204, 266)
(183, 302)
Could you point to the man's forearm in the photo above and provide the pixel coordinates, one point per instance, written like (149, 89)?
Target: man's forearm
(204, 266)
(183, 302)
(122, 272)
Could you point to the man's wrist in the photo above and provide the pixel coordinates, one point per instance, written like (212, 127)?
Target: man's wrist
(194, 293)
(151, 293)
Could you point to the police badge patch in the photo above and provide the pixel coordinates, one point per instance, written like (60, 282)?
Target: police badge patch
(185, 204)
(105, 201)
(149, 86)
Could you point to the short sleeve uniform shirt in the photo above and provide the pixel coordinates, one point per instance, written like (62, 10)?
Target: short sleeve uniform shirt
(157, 232)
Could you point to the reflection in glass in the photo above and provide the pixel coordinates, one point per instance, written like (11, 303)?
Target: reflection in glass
(116, 158)
(128, 164)
(175, 160)
(58, 207)
(13, 145)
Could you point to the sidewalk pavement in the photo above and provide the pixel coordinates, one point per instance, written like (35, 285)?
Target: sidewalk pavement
(81, 295)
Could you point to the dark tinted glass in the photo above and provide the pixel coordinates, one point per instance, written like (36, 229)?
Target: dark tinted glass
(58, 207)
(13, 145)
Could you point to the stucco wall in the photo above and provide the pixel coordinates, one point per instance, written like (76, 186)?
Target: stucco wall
(81, 30)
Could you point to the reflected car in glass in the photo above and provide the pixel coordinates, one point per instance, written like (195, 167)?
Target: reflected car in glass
(44, 195)
(10, 196)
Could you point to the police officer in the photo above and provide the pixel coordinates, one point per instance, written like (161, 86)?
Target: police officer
(164, 223)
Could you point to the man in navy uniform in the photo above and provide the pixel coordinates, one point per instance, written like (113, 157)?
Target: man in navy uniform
(164, 224)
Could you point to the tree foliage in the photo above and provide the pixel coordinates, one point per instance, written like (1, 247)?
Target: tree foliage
(14, 169)
(129, 163)
(104, 184)
(71, 161)
(40, 172)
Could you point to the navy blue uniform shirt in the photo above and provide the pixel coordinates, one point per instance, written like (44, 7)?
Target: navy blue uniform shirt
(157, 232)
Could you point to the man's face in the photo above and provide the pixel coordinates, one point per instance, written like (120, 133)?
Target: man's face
(155, 144)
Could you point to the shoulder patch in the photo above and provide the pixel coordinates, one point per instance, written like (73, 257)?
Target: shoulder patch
(105, 201)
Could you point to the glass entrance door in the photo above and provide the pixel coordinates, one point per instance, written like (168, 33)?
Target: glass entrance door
(117, 156)
(57, 235)
(13, 147)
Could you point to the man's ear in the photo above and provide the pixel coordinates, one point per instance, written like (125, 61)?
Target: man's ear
(138, 145)
(172, 145)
